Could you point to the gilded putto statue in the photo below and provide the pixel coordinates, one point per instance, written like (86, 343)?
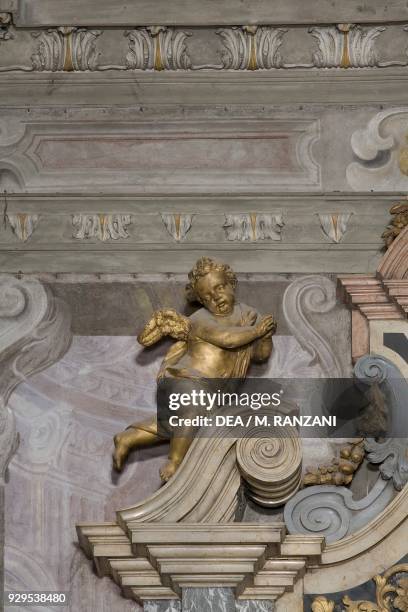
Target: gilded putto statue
(218, 341)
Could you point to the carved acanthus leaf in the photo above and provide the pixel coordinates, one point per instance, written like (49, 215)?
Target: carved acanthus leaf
(253, 226)
(393, 457)
(157, 48)
(66, 49)
(321, 604)
(23, 225)
(252, 47)
(178, 225)
(346, 46)
(334, 225)
(103, 227)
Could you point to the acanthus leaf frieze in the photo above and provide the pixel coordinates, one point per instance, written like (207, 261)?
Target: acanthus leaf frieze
(171, 48)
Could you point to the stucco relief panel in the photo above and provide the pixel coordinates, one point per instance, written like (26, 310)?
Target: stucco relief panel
(230, 155)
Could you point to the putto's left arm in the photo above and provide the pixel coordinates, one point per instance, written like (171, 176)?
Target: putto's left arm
(262, 348)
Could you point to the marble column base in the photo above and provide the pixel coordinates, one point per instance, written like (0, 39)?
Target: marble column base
(162, 606)
(220, 600)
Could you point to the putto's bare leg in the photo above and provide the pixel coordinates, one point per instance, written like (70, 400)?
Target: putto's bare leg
(133, 438)
(178, 450)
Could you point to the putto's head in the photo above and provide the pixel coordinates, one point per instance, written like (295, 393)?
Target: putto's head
(213, 285)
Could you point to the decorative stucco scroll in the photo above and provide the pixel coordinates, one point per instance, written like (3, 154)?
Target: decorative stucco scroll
(34, 333)
(305, 296)
(331, 511)
(205, 487)
(271, 467)
(378, 148)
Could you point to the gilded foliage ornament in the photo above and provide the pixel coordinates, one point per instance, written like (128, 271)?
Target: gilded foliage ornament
(391, 595)
(398, 223)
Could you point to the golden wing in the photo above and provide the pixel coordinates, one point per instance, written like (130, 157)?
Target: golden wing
(164, 323)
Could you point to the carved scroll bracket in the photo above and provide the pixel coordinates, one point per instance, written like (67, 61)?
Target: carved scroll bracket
(305, 296)
(331, 511)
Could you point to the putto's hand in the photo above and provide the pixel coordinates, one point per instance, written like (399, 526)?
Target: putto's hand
(250, 318)
(266, 326)
(164, 323)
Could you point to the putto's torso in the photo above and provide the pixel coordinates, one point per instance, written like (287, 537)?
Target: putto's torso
(204, 359)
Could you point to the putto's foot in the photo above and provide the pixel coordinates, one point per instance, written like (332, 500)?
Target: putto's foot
(121, 451)
(168, 470)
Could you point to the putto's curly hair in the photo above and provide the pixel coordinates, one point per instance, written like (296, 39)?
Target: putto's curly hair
(202, 267)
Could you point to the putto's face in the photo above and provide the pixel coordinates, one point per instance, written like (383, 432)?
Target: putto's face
(215, 293)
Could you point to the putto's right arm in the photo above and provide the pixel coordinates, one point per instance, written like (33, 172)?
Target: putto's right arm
(233, 336)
